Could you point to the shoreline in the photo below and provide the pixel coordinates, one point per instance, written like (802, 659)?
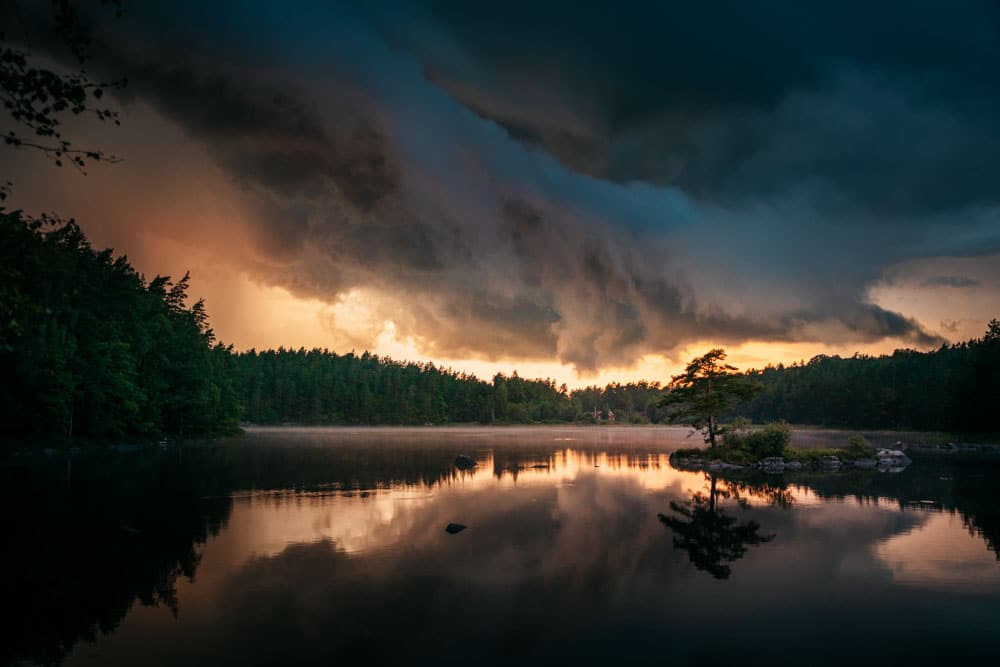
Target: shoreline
(804, 437)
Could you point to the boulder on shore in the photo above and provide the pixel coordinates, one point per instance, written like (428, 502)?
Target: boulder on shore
(891, 458)
(829, 462)
(773, 464)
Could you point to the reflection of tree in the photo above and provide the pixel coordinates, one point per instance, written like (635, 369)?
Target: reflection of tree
(84, 552)
(712, 538)
(975, 496)
(776, 493)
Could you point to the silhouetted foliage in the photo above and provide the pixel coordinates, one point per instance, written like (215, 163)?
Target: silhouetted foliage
(83, 552)
(955, 388)
(37, 98)
(88, 347)
(321, 387)
(769, 440)
(711, 538)
(707, 389)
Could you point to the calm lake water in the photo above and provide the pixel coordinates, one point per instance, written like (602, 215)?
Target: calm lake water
(315, 546)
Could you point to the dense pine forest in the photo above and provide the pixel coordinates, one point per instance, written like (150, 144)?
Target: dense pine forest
(90, 349)
(955, 388)
(320, 387)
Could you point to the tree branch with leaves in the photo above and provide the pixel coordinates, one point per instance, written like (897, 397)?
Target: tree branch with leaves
(38, 99)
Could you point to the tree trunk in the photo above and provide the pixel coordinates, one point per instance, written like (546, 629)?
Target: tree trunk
(711, 418)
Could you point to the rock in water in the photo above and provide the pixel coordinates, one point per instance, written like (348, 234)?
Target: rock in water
(463, 462)
(453, 528)
(773, 464)
(892, 458)
(829, 462)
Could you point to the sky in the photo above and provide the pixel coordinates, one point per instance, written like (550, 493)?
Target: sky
(591, 192)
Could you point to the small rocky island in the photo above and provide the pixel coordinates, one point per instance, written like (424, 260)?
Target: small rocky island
(768, 449)
(883, 460)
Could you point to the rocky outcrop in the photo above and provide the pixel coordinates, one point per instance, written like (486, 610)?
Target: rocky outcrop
(773, 464)
(829, 462)
(886, 460)
(891, 458)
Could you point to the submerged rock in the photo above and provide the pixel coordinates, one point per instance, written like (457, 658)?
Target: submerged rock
(463, 462)
(453, 528)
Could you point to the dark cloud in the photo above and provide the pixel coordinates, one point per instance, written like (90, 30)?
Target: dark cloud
(951, 281)
(589, 185)
(872, 323)
(891, 102)
(264, 135)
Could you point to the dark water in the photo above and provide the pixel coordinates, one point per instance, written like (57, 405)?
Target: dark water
(295, 547)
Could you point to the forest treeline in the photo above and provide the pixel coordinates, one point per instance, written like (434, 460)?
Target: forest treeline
(955, 388)
(89, 348)
(321, 387)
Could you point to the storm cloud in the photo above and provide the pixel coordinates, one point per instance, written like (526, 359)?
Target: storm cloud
(951, 281)
(539, 181)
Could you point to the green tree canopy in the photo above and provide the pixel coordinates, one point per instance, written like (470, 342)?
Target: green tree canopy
(89, 348)
(707, 389)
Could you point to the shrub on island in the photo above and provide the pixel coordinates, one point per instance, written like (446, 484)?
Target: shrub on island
(769, 440)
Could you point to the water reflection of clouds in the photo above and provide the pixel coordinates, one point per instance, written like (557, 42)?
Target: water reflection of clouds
(567, 550)
(360, 520)
(563, 557)
(580, 491)
(941, 552)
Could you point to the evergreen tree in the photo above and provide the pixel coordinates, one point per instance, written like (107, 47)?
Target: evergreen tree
(707, 389)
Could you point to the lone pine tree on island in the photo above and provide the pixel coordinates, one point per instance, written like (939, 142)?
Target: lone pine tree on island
(706, 389)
